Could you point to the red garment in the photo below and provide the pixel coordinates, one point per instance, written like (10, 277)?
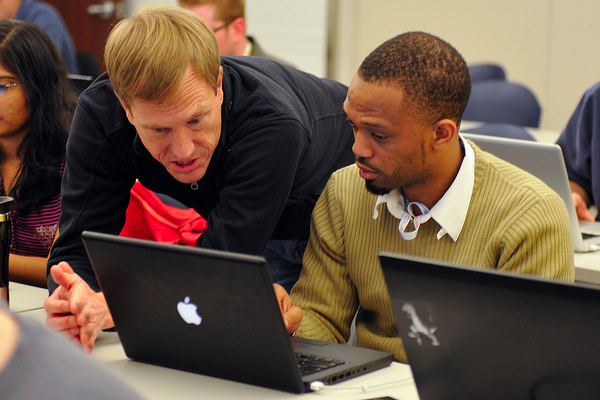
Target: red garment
(151, 219)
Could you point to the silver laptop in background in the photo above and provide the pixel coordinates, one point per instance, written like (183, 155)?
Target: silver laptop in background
(214, 313)
(474, 334)
(545, 161)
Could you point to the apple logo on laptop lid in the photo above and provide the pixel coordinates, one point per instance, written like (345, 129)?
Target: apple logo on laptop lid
(189, 312)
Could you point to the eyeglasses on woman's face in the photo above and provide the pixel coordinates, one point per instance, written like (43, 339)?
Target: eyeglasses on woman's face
(5, 87)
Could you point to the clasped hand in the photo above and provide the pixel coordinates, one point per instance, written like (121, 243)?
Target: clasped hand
(74, 309)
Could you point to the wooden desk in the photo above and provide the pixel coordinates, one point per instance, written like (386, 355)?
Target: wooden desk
(159, 383)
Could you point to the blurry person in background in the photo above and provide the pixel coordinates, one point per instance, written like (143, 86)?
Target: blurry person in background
(37, 103)
(48, 18)
(227, 18)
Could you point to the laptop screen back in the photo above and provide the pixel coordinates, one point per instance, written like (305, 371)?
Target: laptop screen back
(211, 312)
(481, 334)
(198, 310)
(543, 160)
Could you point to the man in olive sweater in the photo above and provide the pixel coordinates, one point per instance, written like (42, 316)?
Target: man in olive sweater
(428, 193)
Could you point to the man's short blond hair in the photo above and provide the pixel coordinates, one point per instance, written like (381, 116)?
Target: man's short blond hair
(225, 10)
(148, 54)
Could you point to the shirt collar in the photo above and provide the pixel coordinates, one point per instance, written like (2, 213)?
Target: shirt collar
(450, 211)
(249, 48)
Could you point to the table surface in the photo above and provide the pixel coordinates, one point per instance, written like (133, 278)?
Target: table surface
(23, 298)
(587, 267)
(155, 382)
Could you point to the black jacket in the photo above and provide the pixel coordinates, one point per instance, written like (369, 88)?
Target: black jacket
(283, 133)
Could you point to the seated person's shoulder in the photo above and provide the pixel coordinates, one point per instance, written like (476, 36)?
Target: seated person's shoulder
(42, 356)
(346, 188)
(594, 90)
(346, 177)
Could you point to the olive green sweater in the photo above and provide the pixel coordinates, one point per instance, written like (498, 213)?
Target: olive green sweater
(514, 223)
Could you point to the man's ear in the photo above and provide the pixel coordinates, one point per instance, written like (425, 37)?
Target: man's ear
(445, 132)
(238, 27)
(220, 79)
(127, 110)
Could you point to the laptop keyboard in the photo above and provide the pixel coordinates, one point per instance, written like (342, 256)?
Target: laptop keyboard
(310, 364)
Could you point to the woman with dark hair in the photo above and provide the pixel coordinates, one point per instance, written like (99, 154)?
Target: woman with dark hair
(37, 102)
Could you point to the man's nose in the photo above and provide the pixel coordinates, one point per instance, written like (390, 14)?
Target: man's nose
(182, 145)
(361, 147)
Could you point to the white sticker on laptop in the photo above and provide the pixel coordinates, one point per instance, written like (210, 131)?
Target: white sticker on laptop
(422, 326)
(189, 312)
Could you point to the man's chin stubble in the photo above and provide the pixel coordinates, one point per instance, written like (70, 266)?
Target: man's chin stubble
(375, 189)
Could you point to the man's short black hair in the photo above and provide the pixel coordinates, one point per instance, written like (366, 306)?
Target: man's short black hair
(432, 74)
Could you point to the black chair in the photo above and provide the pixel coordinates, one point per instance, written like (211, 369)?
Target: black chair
(502, 130)
(486, 72)
(87, 64)
(503, 101)
(80, 82)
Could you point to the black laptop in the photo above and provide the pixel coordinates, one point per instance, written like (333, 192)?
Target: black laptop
(484, 334)
(213, 313)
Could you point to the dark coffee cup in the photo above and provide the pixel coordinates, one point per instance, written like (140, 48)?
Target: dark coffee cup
(5, 241)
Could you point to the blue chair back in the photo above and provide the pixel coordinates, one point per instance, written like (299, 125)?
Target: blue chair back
(503, 101)
(486, 72)
(502, 130)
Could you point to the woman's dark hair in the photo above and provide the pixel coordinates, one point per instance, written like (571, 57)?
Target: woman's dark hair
(28, 52)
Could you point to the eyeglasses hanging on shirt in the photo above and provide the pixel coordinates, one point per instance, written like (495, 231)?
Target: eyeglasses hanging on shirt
(410, 214)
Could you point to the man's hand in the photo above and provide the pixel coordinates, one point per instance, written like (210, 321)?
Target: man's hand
(581, 208)
(292, 315)
(581, 199)
(75, 309)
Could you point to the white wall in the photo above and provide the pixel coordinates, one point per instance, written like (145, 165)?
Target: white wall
(295, 31)
(133, 4)
(574, 63)
(549, 45)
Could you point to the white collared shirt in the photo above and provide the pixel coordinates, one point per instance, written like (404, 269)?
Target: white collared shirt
(450, 211)
(248, 49)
